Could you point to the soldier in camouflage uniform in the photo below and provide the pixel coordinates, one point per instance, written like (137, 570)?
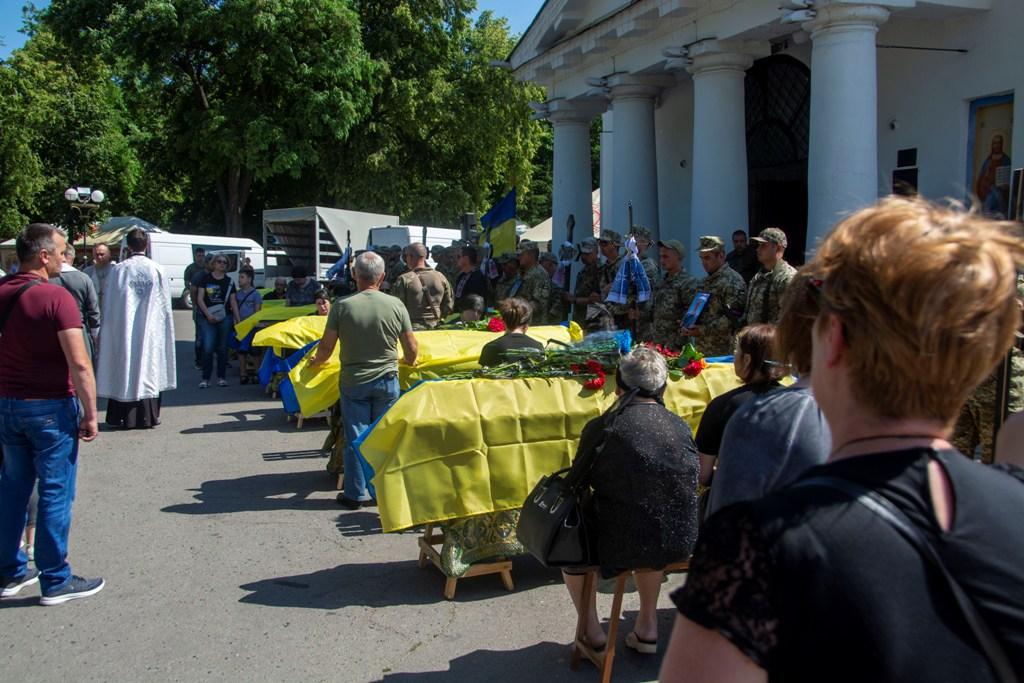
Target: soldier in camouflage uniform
(509, 282)
(536, 287)
(588, 282)
(395, 265)
(609, 243)
(976, 424)
(715, 331)
(643, 243)
(764, 293)
(672, 297)
(556, 311)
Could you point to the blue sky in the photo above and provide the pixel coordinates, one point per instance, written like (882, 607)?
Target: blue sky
(519, 13)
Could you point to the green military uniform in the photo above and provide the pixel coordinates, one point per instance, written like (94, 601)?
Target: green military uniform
(718, 321)
(427, 296)
(671, 299)
(536, 289)
(556, 308)
(764, 294)
(976, 423)
(588, 281)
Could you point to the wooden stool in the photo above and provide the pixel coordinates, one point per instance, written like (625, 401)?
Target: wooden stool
(429, 554)
(603, 660)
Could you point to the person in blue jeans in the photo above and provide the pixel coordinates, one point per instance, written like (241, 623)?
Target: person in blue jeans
(214, 292)
(47, 404)
(370, 326)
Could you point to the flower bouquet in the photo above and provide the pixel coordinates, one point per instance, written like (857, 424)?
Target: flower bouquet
(686, 363)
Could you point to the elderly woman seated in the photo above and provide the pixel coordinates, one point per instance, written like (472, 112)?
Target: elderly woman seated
(643, 493)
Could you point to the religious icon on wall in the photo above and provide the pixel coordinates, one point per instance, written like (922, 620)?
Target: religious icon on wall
(991, 123)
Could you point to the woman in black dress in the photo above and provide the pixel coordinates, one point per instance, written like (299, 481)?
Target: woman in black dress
(811, 583)
(643, 501)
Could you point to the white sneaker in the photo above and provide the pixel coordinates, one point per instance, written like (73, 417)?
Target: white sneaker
(204, 384)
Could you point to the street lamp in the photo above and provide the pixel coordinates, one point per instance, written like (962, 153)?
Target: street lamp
(85, 202)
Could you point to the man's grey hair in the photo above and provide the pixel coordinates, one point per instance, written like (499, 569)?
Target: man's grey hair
(643, 368)
(417, 250)
(368, 267)
(33, 239)
(280, 280)
(69, 251)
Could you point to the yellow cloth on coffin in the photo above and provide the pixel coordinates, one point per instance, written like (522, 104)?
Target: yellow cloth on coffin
(440, 352)
(272, 314)
(456, 448)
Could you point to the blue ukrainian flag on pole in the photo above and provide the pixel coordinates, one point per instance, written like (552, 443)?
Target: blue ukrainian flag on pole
(499, 226)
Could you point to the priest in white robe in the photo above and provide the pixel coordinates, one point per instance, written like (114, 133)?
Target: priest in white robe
(136, 357)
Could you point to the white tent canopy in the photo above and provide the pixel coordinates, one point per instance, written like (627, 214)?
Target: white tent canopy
(542, 231)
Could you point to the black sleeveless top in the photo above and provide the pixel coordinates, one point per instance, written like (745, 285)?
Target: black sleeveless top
(813, 586)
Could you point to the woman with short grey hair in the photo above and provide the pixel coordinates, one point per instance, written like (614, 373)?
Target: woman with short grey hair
(642, 493)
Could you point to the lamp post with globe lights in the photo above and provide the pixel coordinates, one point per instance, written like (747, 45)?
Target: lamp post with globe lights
(85, 202)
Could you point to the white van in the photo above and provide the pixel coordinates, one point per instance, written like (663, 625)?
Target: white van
(404, 235)
(176, 251)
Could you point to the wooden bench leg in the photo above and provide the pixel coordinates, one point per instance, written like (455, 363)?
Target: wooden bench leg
(449, 587)
(613, 628)
(506, 579)
(423, 561)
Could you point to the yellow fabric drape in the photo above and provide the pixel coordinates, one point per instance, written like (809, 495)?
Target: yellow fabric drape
(274, 311)
(456, 448)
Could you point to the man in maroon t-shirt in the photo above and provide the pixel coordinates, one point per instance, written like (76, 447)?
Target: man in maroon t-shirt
(47, 403)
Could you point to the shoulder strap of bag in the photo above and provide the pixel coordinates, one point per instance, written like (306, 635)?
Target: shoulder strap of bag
(897, 519)
(14, 300)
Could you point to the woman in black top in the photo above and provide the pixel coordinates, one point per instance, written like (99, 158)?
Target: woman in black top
(516, 314)
(753, 365)
(811, 584)
(643, 503)
(213, 293)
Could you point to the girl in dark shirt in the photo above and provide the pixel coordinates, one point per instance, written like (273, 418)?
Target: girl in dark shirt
(212, 296)
(516, 314)
(810, 584)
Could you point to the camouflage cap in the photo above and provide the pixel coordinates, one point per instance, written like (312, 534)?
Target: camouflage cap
(527, 245)
(396, 249)
(588, 246)
(506, 257)
(711, 243)
(548, 256)
(641, 233)
(773, 235)
(437, 248)
(610, 236)
(674, 245)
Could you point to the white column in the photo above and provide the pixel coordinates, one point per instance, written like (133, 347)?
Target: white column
(571, 186)
(842, 167)
(635, 173)
(718, 205)
(607, 162)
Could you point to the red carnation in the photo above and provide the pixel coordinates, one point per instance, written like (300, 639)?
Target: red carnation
(575, 368)
(693, 368)
(595, 383)
(595, 367)
(496, 325)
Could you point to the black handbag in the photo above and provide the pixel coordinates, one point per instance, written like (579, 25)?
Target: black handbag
(552, 525)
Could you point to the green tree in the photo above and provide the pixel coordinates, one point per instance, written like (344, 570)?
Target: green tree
(60, 125)
(253, 89)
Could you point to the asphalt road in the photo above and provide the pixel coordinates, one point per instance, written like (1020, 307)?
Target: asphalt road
(227, 559)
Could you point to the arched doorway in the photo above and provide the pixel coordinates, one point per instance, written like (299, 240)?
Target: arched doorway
(778, 107)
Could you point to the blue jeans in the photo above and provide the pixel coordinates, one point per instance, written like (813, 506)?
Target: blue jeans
(361, 405)
(40, 440)
(215, 340)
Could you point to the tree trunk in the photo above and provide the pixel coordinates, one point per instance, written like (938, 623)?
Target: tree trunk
(233, 188)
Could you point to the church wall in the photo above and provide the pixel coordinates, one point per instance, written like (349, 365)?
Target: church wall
(673, 124)
(927, 95)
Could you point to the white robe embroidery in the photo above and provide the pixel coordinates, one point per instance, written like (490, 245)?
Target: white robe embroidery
(136, 358)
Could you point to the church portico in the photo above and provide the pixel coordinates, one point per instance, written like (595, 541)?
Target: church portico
(744, 114)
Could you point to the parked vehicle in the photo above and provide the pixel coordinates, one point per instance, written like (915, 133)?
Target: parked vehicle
(175, 251)
(403, 235)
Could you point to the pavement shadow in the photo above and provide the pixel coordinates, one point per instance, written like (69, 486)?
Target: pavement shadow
(306, 454)
(249, 420)
(359, 523)
(388, 584)
(545, 661)
(261, 492)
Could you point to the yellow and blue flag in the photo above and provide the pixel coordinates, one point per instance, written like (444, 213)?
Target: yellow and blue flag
(499, 226)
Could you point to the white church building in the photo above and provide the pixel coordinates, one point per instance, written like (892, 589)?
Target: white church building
(743, 114)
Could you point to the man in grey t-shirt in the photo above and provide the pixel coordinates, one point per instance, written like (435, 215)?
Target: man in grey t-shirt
(370, 326)
(768, 443)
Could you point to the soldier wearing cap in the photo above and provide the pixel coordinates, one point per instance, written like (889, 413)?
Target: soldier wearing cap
(609, 243)
(643, 243)
(509, 282)
(764, 295)
(672, 296)
(716, 327)
(556, 312)
(536, 285)
(588, 282)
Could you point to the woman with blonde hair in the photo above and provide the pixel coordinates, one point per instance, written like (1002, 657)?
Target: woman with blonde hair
(899, 559)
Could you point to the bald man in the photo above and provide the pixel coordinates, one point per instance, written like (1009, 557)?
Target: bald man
(426, 293)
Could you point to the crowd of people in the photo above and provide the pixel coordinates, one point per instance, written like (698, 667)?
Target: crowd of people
(829, 507)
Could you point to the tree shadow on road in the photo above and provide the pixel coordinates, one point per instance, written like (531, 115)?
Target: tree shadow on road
(261, 492)
(545, 661)
(386, 584)
(251, 420)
